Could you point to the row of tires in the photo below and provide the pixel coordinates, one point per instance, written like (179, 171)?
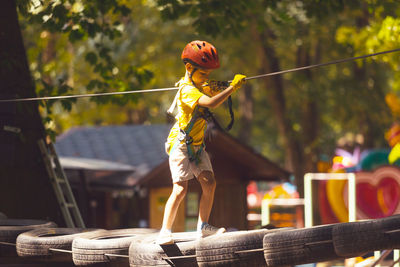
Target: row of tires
(137, 247)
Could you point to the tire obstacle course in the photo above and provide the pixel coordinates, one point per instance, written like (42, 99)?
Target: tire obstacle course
(33, 239)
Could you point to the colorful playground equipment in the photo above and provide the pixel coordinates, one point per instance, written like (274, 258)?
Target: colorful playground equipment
(378, 192)
(282, 207)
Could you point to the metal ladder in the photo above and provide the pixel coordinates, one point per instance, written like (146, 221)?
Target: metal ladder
(62, 189)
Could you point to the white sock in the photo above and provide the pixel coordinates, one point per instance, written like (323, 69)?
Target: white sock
(200, 225)
(165, 231)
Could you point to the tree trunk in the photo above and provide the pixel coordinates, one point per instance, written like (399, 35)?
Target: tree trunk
(360, 75)
(309, 115)
(276, 97)
(25, 189)
(136, 115)
(309, 112)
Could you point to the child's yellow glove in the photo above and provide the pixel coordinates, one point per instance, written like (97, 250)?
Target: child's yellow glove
(238, 81)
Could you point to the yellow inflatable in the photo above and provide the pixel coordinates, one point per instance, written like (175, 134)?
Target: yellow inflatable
(394, 154)
(334, 191)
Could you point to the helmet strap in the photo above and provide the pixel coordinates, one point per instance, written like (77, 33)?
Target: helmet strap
(191, 75)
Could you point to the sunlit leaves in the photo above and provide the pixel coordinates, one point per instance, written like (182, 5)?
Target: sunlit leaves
(142, 75)
(211, 17)
(382, 34)
(89, 29)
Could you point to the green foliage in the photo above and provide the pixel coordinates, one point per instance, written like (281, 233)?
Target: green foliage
(211, 17)
(382, 34)
(379, 34)
(91, 27)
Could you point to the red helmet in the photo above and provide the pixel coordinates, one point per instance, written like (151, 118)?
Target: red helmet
(201, 54)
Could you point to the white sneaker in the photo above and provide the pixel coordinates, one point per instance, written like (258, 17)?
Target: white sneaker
(164, 238)
(208, 230)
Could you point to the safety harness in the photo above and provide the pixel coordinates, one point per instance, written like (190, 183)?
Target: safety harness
(201, 113)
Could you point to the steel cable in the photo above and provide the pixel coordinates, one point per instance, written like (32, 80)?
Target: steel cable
(175, 88)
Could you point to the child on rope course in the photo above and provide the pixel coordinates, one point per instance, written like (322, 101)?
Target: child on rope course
(185, 144)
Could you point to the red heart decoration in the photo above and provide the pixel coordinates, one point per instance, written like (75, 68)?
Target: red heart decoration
(378, 201)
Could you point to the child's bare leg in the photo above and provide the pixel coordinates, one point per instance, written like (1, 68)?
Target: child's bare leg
(208, 184)
(207, 181)
(179, 190)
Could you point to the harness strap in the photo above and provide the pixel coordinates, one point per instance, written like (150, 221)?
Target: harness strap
(199, 112)
(231, 114)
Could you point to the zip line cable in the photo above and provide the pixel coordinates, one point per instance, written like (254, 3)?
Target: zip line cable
(87, 95)
(175, 88)
(323, 64)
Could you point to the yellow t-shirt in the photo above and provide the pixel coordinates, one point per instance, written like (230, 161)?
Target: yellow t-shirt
(187, 101)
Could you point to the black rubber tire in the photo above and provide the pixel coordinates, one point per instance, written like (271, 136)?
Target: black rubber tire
(225, 249)
(145, 252)
(299, 246)
(89, 248)
(11, 228)
(36, 243)
(357, 238)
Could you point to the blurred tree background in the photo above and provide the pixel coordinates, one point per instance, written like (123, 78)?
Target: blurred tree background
(77, 46)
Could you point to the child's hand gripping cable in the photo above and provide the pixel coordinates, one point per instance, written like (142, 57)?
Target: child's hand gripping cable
(238, 81)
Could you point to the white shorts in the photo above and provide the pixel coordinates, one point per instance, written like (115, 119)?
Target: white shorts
(181, 168)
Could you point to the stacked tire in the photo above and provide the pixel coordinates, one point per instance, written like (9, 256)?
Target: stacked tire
(358, 238)
(300, 246)
(230, 249)
(45, 242)
(100, 246)
(331, 242)
(145, 251)
(11, 228)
